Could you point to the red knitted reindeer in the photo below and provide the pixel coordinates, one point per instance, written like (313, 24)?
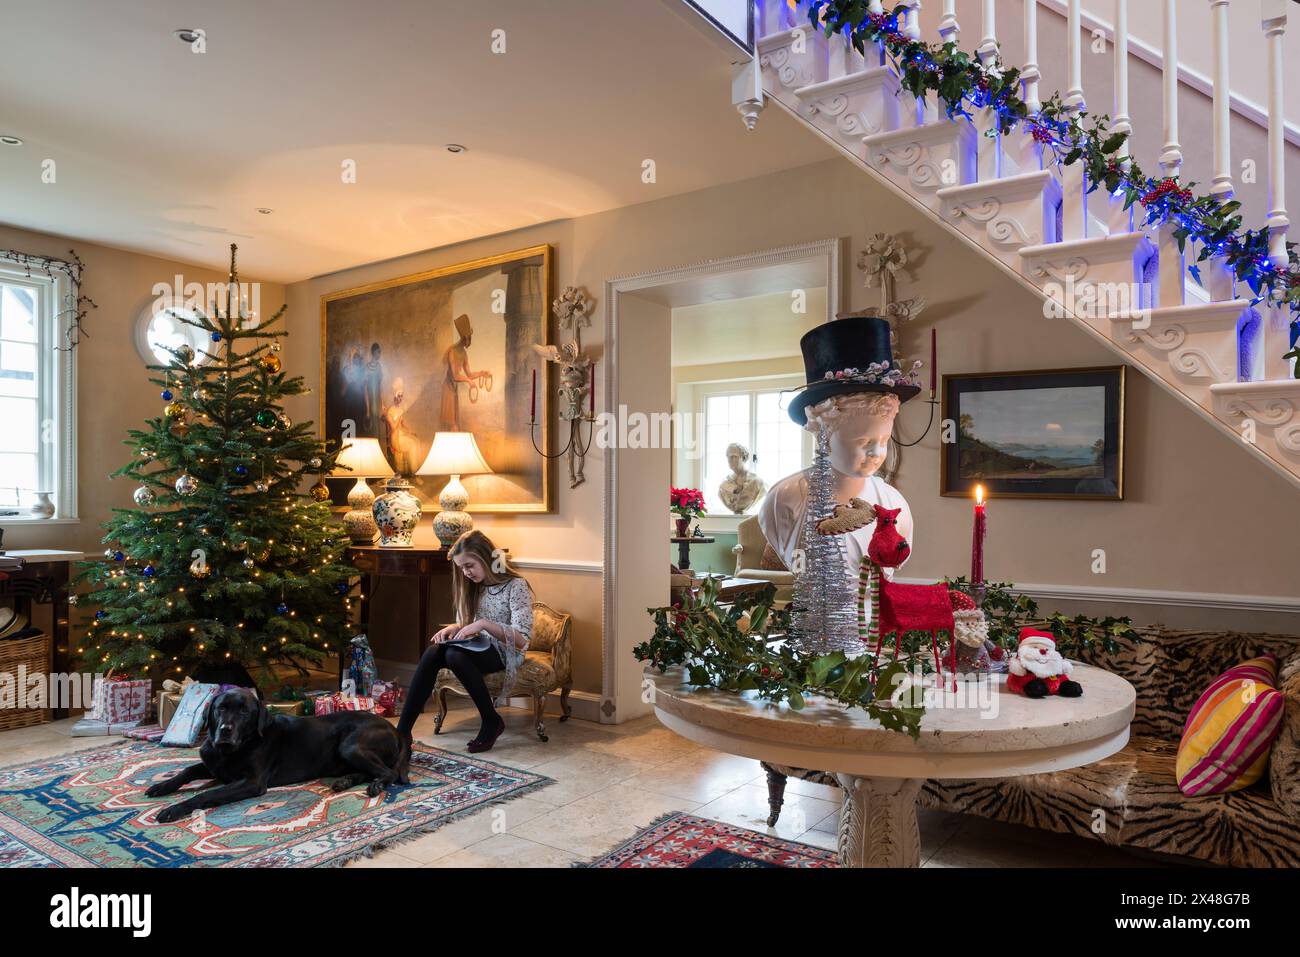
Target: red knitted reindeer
(894, 606)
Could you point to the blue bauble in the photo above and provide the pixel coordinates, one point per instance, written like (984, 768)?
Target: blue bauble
(282, 609)
(341, 588)
(216, 337)
(100, 614)
(118, 557)
(166, 395)
(241, 470)
(147, 571)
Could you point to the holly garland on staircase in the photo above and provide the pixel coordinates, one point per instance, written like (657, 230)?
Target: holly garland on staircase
(963, 83)
(223, 562)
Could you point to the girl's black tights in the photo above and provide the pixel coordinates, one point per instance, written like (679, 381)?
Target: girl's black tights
(469, 667)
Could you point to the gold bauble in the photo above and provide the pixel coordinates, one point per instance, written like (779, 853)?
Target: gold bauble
(320, 492)
(199, 569)
(272, 364)
(176, 410)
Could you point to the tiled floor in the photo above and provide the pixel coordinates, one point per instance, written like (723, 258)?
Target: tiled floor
(611, 780)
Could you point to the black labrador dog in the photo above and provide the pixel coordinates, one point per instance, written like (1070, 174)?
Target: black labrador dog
(250, 749)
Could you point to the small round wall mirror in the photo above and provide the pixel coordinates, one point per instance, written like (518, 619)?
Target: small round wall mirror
(160, 328)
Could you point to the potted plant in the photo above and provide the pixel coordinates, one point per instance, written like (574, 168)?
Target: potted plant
(686, 504)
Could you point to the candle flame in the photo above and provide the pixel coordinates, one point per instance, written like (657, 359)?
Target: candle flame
(979, 494)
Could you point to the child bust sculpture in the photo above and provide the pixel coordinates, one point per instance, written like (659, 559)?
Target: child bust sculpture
(854, 393)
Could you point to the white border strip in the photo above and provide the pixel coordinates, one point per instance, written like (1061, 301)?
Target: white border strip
(1140, 596)
(559, 565)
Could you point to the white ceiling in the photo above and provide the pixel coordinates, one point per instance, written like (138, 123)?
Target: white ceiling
(166, 151)
(744, 329)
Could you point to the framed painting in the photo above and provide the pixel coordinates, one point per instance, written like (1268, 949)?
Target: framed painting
(1056, 433)
(449, 350)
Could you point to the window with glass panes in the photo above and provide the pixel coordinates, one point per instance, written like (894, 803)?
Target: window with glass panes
(20, 397)
(757, 419)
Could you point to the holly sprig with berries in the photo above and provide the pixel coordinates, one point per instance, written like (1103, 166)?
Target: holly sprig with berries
(963, 83)
(740, 647)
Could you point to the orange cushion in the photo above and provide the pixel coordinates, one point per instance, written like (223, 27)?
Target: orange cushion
(1226, 739)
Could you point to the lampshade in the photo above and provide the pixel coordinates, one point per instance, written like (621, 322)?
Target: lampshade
(364, 458)
(454, 453)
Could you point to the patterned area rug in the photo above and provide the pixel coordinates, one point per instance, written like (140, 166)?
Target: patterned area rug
(88, 809)
(683, 840)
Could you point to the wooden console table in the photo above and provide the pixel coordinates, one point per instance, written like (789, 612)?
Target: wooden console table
(421, 562)
(43, 580)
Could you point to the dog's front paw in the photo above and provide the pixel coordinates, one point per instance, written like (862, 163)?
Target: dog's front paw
(173, 813)
(374, 789)
(159, 789)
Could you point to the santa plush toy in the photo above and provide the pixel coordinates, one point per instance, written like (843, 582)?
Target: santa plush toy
(972, 650)
(1037, 668)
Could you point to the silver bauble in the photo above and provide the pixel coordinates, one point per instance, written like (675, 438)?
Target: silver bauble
(261, 486)
(187, 484)
(143, 496)
(248, 563)
(314, 462)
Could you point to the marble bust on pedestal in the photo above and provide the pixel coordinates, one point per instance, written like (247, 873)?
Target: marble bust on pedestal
(742, 488)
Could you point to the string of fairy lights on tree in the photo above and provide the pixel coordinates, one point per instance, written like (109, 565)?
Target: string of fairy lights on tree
(963, 83)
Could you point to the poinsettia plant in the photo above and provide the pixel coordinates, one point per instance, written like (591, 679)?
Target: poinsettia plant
(686, 502)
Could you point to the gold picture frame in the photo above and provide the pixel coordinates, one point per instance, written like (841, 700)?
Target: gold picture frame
(447, 349)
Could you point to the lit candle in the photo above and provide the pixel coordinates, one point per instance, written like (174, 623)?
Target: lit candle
(532, 410)
(977, 538)
(591, 391)
(934, 361)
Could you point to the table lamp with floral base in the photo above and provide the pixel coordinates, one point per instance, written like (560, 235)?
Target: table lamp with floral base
(454, 454)
(361, 459)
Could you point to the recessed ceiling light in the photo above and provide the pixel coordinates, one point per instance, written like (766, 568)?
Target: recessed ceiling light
(265, 210)
(455, 148)
(8, 140)
(187, 34)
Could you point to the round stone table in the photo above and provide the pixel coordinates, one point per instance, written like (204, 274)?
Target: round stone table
(991, 733)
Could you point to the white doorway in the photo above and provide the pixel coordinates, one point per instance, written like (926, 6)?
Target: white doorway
(639, 382)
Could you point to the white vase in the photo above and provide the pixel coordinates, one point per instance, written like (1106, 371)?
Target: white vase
(396, 513)
(42, 507)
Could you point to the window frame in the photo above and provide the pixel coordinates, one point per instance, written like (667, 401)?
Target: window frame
(689, 472)
(56, 391)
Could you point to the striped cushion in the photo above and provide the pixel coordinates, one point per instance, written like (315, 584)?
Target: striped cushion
(1227, 736)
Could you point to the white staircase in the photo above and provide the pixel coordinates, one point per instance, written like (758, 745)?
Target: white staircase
(1128, 288)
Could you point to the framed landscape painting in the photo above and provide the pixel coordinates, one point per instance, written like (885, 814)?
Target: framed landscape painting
(449, 350)
(1056, 433)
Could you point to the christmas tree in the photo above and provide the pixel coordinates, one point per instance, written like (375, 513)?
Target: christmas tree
(223, 562)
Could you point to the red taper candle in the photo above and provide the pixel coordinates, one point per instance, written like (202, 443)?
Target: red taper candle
(934, 361)
(532, 409)
(977, 538)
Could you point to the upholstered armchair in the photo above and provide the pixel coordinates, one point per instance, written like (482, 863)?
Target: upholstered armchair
(756, 559)
(546, 668)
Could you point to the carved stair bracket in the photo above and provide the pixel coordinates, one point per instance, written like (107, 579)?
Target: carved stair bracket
(925, 159)
(794, 58)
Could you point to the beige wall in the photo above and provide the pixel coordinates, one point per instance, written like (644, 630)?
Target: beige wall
(113, 389)
(1200, 515)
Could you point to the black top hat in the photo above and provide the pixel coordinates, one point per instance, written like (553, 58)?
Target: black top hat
(847, 355)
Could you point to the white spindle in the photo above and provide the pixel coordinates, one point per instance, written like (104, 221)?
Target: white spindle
(1221, 185)
(1074, 95)
(1172, 278)
(1030, 74)
(1276, 340)
(1219, 279)
(989, 149)
(919, 112)
(838, 64)
(949, 28)
(1028, 152)
(1074, 204)
(1121, 219)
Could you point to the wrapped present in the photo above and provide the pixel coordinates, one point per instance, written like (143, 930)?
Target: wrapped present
(343, 702)
(362, 670)
(93, 727)
(165, 706)
(188, 723)
(121, 700)
(287, 707)
(385, 695)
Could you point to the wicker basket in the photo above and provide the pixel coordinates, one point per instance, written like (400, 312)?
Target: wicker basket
(35, 654)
